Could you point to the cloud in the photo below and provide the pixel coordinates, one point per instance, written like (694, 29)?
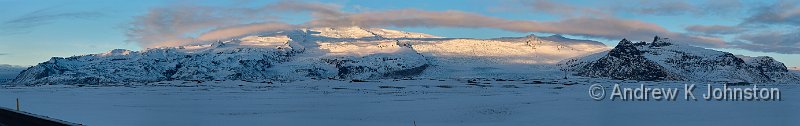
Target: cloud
(758, 32)
(783, 12)
(721, 7)
(319, 10)
(25, 23)
(225, 33)
(775, 14)
(671, 8)
(3, 54)
(595, 27)
(665, 8)
(658, 8)
(180, 25)
(243, 29)
(175, 24)
(715, 29)
(564, 9)
(770, 41)
(183, 24)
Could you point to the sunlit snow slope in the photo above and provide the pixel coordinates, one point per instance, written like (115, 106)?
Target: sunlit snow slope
(319, 53)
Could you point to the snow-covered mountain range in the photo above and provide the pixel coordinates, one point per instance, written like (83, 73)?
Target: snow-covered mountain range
(664, 60)
(319, 53)
(373, 53)
(9, 72)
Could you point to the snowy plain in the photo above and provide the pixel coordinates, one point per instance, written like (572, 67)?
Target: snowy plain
(424, 102)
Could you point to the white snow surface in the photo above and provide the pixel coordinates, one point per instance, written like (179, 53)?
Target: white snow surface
(335, 53)
(387, 103)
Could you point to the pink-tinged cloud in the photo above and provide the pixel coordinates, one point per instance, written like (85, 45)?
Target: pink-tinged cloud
(225, 33)
(234, 31)
(174, 24)
(602, 27)
(183, 24)
(189, 24)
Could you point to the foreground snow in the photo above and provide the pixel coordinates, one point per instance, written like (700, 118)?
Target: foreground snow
(425, 102)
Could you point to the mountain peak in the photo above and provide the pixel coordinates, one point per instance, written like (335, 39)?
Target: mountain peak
(624, 48)
(645, 61)
(659, 42)
(624, 42)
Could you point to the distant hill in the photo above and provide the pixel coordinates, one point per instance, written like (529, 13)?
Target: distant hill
(664, 60)
(9, 72)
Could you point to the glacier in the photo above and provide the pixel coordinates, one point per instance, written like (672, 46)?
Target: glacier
(319, 53)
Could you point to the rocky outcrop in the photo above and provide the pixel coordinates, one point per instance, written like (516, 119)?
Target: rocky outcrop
(664, 60)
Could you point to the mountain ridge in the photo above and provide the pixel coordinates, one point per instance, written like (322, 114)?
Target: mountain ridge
(372, 53)
(664, 60)
(314, 53)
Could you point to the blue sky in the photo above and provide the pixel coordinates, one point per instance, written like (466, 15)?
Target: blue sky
(32, 31)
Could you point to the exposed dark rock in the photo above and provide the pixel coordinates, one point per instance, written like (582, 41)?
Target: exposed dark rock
(663, 60)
